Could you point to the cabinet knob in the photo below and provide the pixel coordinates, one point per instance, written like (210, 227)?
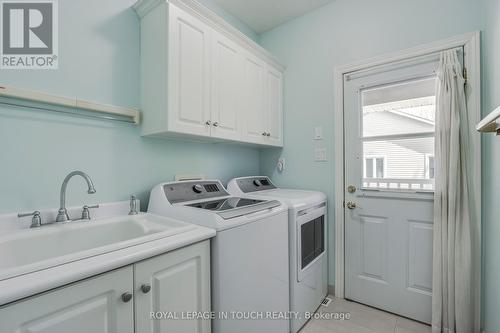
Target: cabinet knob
(126, 297)
(216, 124)
(145, 288)
(264, 134)
(208, 123)
(268, 134)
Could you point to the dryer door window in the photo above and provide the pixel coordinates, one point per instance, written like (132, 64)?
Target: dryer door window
(312, 236)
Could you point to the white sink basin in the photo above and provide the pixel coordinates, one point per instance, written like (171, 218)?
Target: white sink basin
(31, 250)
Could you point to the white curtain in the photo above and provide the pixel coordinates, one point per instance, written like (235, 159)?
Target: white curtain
(455, 295)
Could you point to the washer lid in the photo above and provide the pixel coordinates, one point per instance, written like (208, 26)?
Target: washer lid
(232, 207)
(292, 198)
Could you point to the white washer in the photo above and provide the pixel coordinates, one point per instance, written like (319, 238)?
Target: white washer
(307, 241)
(249, 253)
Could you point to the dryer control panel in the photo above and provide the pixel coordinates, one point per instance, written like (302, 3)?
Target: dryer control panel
(254, 184)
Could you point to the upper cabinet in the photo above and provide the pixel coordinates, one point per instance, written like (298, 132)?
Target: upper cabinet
(253, 100)
(227, 74)
(189, 74)
(274, 106)
(202, 78)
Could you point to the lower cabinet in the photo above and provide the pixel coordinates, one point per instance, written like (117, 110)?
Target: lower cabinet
(171, 286)
(175, 286)
(93, 305)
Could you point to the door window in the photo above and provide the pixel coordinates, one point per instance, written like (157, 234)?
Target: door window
(398, 135)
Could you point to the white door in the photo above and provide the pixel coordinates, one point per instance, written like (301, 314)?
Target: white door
(389, 179)
(189, 74)
(253, 100)
(274, 107)
(177, 282)
(227, 72)
(93, 305)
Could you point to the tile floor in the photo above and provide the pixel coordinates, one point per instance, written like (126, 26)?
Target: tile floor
(363, 319)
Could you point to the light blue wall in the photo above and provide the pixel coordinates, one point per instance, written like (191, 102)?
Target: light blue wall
(99, 61)
(491, 167)
(341, 32)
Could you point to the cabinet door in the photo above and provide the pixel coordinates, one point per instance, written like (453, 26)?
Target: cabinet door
(253, 100)
(189, 74)
(180, 283)
(227, 70)
(274, 106)
(92, 305)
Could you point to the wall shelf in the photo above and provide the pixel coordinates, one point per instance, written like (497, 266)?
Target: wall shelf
(489, 123)
(68, 105)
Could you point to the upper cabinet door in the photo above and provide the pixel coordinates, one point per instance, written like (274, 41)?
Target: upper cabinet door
(93, 305)
(274, 107)
(179, 282)
(227, 65)
(253, 100)
(189, 74)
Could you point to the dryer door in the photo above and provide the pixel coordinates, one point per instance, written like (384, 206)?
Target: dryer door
(311, 238)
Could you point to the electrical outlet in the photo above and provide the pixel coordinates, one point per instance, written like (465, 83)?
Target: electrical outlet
(281, 164)
(320, 155)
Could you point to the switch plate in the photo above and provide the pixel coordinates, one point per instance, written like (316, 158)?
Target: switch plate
(318, 133)
(320, 155)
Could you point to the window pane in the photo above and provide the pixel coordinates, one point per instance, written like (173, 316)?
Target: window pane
(431, 167)
(403, 165)
(369, 168)
(398, 135)
(380, 168)
(407, 108)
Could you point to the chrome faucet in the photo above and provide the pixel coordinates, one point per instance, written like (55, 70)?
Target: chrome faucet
(62, 215)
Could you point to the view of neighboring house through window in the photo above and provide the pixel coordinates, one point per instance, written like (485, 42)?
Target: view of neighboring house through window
(374, 167)
(398, 136)
(429, 167)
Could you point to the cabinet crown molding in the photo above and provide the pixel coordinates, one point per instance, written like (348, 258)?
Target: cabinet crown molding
(143, 7)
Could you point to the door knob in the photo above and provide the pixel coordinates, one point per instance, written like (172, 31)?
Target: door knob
(350, 204)
(126, 297)
(351, 189)
(145, 288)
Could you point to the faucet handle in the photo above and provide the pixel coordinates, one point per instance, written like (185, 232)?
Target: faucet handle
(86, 211)
(36, 220)
(133, 206)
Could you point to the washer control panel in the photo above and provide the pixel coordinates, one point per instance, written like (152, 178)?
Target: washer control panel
(254, 184)
(193, 190)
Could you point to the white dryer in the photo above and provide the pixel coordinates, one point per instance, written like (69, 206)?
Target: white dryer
(249, 254)
(307, 241)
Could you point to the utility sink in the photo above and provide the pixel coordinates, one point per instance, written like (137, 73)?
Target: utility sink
(27, 251)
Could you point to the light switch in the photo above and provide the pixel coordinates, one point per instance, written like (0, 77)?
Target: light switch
(318, 133)
(320, 155)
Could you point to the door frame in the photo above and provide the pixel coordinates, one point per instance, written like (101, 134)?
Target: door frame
(472, 61)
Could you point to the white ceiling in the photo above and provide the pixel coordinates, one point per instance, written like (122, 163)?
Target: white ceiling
(263, 15)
